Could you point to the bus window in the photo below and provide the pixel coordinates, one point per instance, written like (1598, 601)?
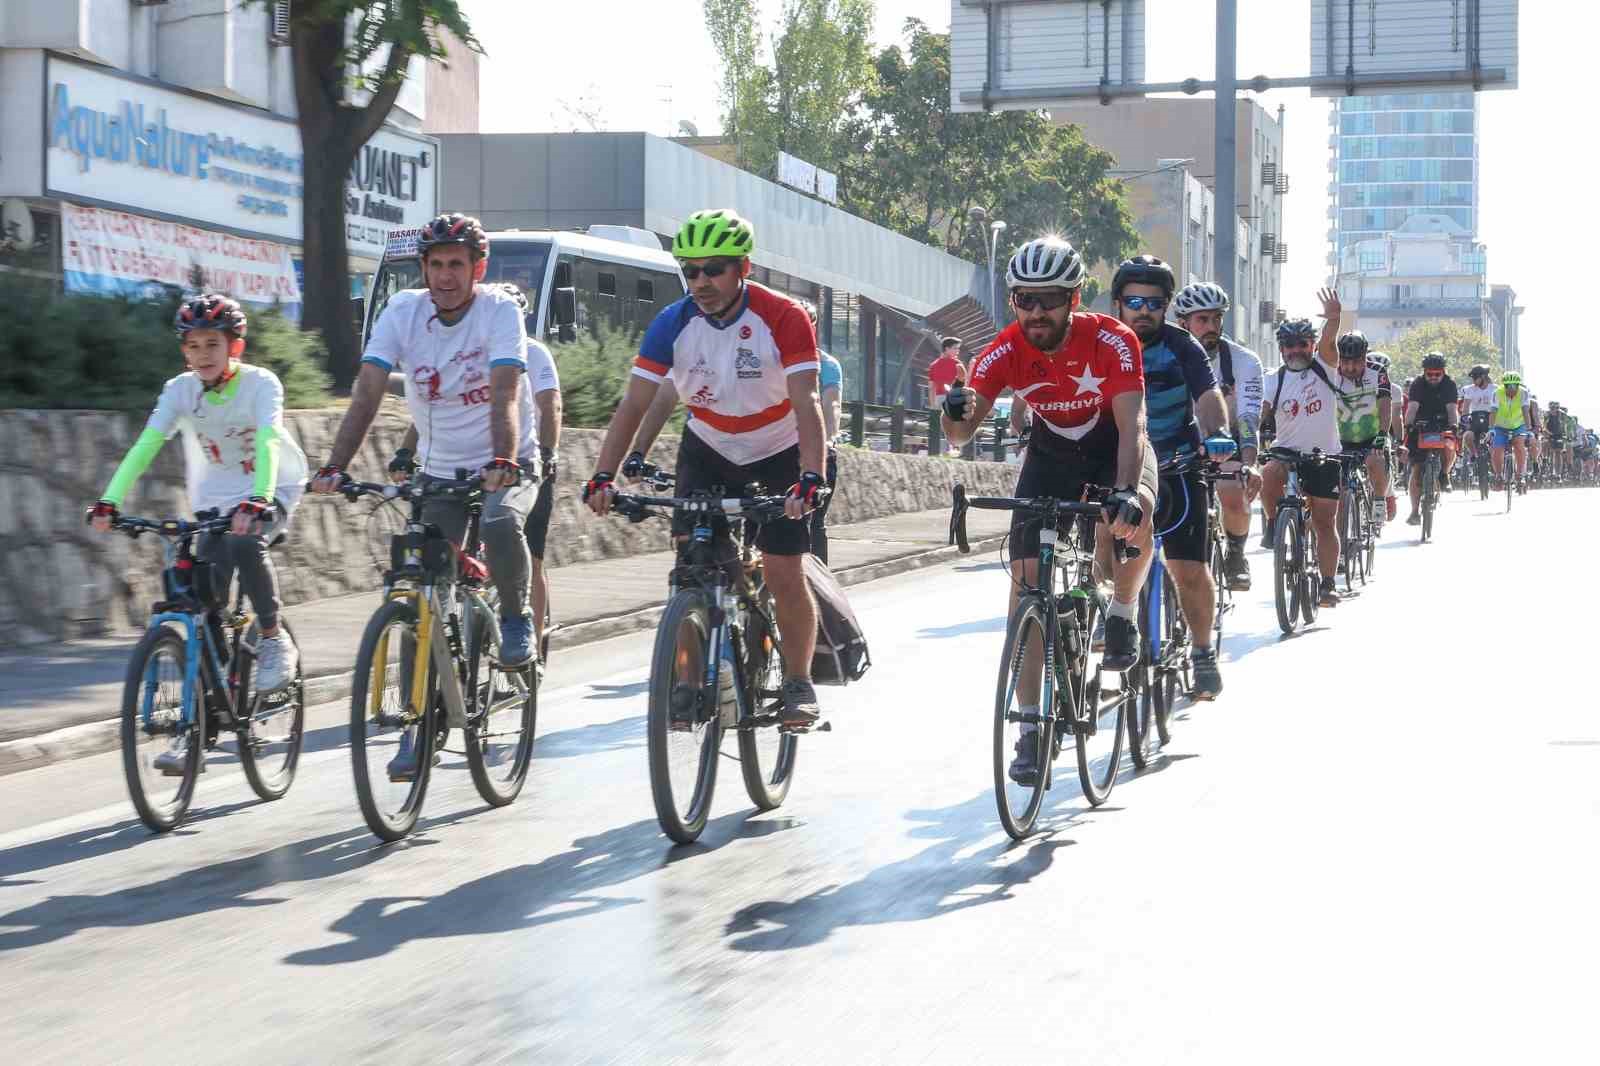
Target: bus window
(646, 291)
(606, 283)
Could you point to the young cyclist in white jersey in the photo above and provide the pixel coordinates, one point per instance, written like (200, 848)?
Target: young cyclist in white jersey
(239, 459)
(1476, 408)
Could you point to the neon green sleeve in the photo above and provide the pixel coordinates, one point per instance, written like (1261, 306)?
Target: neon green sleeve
(267, 438)
(135, 463)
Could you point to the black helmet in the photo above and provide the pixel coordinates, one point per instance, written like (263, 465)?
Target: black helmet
(1433, 361)
(454, 228)
(1353, 345)
(211, 311)
(1143, 270)
(1479, 371)
(1295, 329)
(511, 289)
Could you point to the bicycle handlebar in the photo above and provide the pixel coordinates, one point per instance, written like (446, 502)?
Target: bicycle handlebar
(353, 490)
(760, 508)
(1040, 506)
(170, 527)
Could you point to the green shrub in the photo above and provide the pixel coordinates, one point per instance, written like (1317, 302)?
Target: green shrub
(594, 374)
(76, 351)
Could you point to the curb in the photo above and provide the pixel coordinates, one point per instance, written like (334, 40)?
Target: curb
(94, 738)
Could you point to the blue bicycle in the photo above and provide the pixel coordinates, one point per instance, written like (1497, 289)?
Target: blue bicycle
(190, 679)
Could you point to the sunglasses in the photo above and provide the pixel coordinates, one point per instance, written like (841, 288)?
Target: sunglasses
(1139, 303)
(714, 269)
(1433, 375)
(1027, 301)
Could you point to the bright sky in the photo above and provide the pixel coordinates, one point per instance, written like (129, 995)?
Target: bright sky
(648, 66)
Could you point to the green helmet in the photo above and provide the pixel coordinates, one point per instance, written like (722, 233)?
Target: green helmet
(706, 234)
(1512, 378)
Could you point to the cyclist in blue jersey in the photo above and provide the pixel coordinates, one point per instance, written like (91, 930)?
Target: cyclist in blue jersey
(1182, 404)
(830, 384)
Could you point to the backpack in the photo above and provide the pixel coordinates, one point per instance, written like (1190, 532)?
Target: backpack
(841, 656)
(1316, 368)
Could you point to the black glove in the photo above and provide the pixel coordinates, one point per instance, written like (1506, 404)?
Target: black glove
(809, 489)
(597, 483)
(403, 463)
(548, 463)
(955, 403)
(1124, 504)
(633, 465)
(101, 509)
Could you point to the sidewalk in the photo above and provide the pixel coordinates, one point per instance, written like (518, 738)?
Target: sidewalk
(48, 688)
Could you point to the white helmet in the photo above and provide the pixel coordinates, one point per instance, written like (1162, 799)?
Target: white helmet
(1201, 296)
(1045, 263)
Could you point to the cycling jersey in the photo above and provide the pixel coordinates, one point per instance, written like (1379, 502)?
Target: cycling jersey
(1357, 405)
(541, 377)
(1433, 401)
(1509, 411)
(1304, 408)
(1070, 391)
(447, 374)
(1176, 374)
(733, 376)
(1479, 398)
(1238, 371)
(830, 375)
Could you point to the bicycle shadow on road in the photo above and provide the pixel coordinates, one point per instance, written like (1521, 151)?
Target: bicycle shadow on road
(997, 624)
(555, 889)
(941, 879)
(624, 734)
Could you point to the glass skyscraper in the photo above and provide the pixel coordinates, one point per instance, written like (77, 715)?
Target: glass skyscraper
(1398, 156)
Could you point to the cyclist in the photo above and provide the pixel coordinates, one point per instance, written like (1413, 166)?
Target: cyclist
(1571, 442)
(239, 459)
(745, 359)
(1364, 405)
(1303, 409)
(1200, 309)
(1081, 375)
(1430, 405)
(1182, 404)
(1535, 423)
(1397, 432)
(1477, 407)
(1513, 422)
(1588, 452)
(1555, 424)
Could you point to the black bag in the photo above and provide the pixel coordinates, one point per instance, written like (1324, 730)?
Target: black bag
(841, 656)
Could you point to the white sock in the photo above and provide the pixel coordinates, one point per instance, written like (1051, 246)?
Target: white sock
(1126, 611)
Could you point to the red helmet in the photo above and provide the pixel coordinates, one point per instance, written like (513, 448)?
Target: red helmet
(454, 228)
(211, 311)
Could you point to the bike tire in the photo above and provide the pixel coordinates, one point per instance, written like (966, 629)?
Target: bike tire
(393, 620)
(1224, 595)
(1285, 581)
(1430, 496)
(159, 815)
(268, 781)
(1141, 718)
(1369, 560)
(1310, 574)
(1483, 476)
(1171, 680)
(1098, 780)
(495, 700)
(766, 754)
(688, 609)
(1019, 802)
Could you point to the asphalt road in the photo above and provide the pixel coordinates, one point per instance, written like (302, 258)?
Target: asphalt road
(1378, 846)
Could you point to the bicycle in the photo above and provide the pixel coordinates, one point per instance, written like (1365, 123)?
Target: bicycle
(1297, 581)
(429, 662)
(1056, 630)
(718, 618)
(1432, 442)
(1358, 518)
(189, 679)
(1217, 550)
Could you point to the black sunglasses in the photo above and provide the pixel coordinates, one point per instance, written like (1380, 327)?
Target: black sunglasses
(714, 269)
(1027, 301)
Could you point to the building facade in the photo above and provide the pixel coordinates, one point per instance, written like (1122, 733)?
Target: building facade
(1506, 316)
(1397, 156)
(1427, 268)
(1148, 137)
(143, 141)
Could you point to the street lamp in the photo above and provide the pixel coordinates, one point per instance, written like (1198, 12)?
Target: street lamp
(996, 227)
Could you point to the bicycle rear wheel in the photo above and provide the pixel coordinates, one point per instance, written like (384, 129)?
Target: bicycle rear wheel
(1285, 578)
(382, 726)
(1350, 533)
(1224, 596)
(1170, 676)
(153, 723)
(1483, 475)
(683, 727)
(1018, 733)
(272, 727)
(1310, 574)
(1142, 715)
(502, 710)
(1097, 723)
(766, 753)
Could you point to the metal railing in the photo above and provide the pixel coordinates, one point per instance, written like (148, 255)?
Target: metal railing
(908, 431)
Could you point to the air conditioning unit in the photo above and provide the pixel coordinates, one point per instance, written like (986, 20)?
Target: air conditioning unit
(1269, 173)
(1268, 313)
(1269, 241)
(1281, 186)
(278, 28)
(1279, 317)
(1280, 253)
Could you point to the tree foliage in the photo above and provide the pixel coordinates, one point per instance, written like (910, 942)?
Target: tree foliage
(1463, 347)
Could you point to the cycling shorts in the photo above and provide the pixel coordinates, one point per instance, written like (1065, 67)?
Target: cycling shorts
(1500, 437)
(702, 468)
(1183, 517)
(537, 527)
(1047, 471)
(1318, 480)
(1478, 421)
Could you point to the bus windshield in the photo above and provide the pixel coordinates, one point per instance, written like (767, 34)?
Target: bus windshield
(521, 262)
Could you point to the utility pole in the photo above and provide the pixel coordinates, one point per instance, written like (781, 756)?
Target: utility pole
(1227, 272)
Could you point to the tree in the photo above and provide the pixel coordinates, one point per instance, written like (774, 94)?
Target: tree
(337, 46)
(737, 39)
(1463, 347)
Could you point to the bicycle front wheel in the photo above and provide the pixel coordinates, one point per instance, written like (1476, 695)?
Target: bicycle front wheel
(153, 725)
(391, 748)
(1224, 597)
(272, 727)
(1285, 575)
(1097, 723)
(683, 727)
(502, 708)
(1142, 715)
(1024, 739)
(1430, 496)
(766, 753)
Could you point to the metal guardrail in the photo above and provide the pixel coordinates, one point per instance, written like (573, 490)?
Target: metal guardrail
(906, 431)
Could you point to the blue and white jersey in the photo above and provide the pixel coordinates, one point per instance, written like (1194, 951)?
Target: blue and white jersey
(1176, 374)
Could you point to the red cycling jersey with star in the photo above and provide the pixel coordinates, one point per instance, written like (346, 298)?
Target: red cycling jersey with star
(1070, 392)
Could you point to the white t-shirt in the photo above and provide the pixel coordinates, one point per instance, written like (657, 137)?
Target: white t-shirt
(447, 374)
(1306, 415)
(1478, 399)
(219, 439)
(541, 377)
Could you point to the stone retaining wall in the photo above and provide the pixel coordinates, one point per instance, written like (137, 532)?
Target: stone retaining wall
(60, 580)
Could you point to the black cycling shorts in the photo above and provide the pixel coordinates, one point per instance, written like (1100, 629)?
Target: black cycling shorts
(702, 468)
(1318, 480)
(1063, 474)
(1183, 517)
(1478, 421)
(537, 527)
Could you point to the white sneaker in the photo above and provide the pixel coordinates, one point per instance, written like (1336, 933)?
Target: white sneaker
(172, 761)
(277, 660)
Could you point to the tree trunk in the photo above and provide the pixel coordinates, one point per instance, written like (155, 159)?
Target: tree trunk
(327, 260)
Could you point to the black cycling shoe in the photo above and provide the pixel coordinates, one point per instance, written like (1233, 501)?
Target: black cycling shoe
(1444, 481)
(1122, 643)
(1330, 593)
(800, 708)
(1025, 767)
(1236, 571)
(1207, 678)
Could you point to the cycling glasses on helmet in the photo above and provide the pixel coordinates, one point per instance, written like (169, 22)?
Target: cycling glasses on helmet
(1139, 303)
(714, 269)
(1027, 301)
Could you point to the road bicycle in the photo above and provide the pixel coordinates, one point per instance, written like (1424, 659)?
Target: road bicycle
(718, 665)
(190, 679)
(1433, 444)
(1358, 518)
(429, 662)
(1048, 638)
(1296, 579)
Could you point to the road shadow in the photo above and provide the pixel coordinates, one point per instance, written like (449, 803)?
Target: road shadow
(996, 624)
(617, 692)
(620, 735)
(942, 878)
(563, 886)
